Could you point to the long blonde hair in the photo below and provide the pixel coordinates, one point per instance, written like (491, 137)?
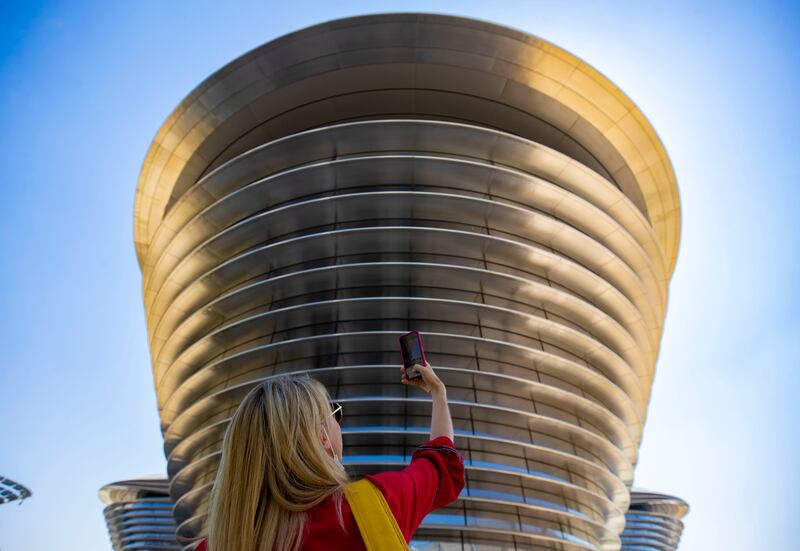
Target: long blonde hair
(273, 468)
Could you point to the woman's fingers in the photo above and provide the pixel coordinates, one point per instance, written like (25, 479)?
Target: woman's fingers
(431, 380)
(422, 382)
(405, 379)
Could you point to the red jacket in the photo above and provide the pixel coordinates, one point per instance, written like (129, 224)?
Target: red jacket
(434, 478)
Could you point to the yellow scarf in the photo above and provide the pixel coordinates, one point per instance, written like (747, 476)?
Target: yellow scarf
(375, 520)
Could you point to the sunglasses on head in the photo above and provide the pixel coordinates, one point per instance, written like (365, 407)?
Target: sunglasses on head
(337, 411)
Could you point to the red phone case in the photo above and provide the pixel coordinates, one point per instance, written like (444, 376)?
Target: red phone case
(421, 349)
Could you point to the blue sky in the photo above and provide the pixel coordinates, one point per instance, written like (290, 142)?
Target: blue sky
(85, 86)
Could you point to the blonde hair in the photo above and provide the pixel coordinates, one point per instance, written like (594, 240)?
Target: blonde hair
(273, 468)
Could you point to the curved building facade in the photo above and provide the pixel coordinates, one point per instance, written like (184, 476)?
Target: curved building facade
(139, 514)
(342, 184)
(653, 522)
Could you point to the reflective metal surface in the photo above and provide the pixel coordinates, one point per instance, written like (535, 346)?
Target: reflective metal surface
(653, 522)
(336, 187)
(418, 65)
(12, 491)
(139, 514)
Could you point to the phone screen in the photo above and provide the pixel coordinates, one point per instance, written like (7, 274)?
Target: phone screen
(412, 349)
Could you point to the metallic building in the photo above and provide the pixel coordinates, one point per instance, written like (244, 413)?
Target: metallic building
(653, 522)
(139, 514)
(341, 184)
(12, 491)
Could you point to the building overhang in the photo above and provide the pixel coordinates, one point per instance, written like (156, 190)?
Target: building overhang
(411, 65)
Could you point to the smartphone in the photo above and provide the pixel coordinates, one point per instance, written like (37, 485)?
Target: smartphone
(411, 348)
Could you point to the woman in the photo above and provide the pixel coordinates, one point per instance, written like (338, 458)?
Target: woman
(280, 481)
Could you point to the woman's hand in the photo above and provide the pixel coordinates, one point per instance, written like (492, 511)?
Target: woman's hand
(429, 382)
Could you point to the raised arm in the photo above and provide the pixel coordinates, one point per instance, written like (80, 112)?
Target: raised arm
(435, 476)
(441, 422)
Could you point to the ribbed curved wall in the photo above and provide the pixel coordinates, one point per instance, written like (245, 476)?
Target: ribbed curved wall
(139, 514)
(340, 185)
(653, 522)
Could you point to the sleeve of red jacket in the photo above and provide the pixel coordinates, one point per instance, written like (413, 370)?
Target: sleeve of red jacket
(434, 478)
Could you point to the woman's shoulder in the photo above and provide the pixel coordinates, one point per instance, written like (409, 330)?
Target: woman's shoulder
(203, 545)
(434, 464)
(434, 478)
